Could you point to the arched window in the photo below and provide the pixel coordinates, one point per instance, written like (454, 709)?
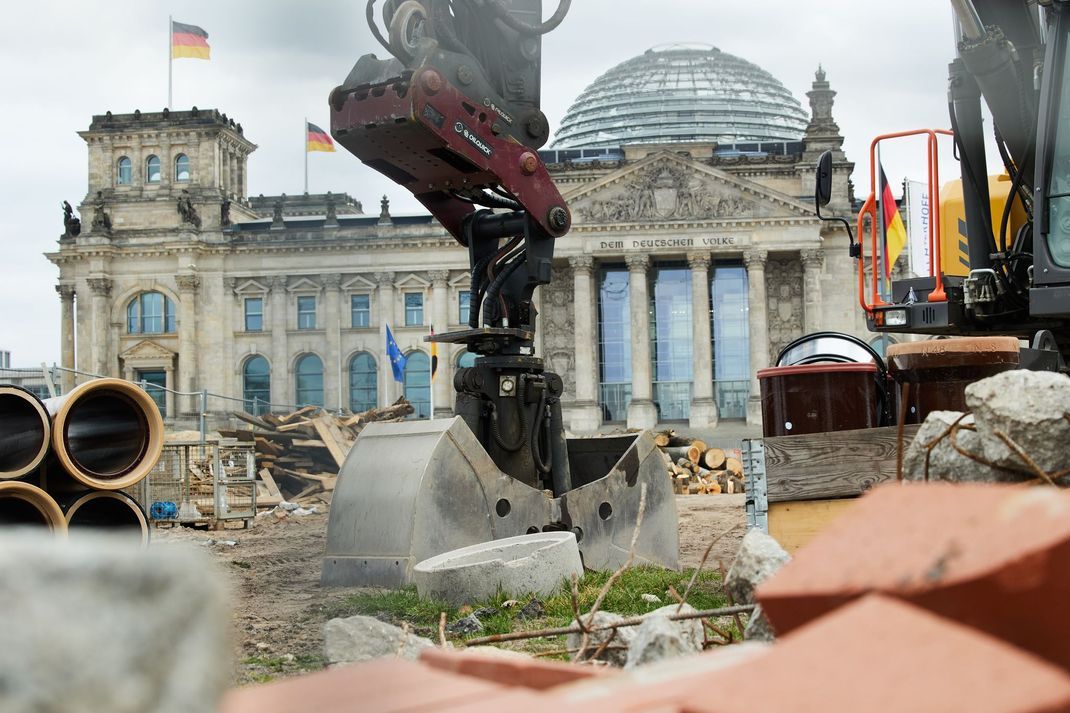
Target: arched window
(182, 168)
(363, 389)
(467, 360)
(125, 175)
(418, 383)
(150, 313)
(256, 385)
(309, 381)
(152, 169)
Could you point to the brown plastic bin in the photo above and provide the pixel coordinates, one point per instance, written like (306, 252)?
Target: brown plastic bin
(817, 398)
(939, 370)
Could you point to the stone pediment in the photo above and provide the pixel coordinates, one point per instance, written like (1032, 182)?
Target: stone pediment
(250, 287)
(147, 351)
(303, 284)
(358, 284)
(665, 187)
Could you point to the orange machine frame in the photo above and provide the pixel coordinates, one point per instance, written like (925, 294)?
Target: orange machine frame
(870, 208)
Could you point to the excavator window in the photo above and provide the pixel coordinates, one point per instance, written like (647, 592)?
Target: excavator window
(1059, 179)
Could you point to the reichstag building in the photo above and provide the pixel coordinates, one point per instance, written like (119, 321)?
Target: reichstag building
(696, 255)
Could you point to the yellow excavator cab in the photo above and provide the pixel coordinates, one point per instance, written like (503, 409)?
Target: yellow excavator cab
(954, 249)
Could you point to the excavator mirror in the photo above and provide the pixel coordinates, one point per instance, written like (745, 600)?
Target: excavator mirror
(823, 182)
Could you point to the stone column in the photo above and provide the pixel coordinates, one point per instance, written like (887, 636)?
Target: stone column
(813, 261)
(66, 335)
(281, 393)
(101, 289)
(333, 383)
(586, 415)
(440, 306)
(224, 169)
(388, 388)
(641, 410)
(188, 347)
(235, 176)
(703, 406)
(758, 328)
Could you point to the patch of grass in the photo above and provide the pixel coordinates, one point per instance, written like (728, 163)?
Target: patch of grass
(278, 664)
(240, 564)
(624, 598)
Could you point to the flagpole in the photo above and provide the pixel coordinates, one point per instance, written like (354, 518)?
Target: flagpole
(431, 380)
(304, 130)
(170, 57)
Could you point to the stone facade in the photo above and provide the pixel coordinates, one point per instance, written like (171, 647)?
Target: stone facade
(238, 273)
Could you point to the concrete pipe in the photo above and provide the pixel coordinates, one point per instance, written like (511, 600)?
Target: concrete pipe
(108, 511)
(25, 505)
(25, 431)
(107, 434)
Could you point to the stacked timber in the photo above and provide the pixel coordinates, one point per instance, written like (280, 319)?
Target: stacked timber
(299, 454)
(698, 469)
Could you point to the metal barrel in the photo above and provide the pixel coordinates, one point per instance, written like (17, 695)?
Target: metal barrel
(25, 505)
(108, 511)
(25, 431)
(107, 433)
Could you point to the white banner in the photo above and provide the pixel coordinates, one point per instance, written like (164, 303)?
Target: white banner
(917, 215)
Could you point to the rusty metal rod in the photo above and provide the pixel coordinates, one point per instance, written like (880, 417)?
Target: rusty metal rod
(107, 433)
(25, 505)
(108, 511)
(25, 431)
(633, 621)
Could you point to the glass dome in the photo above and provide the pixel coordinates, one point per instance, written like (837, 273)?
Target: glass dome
(678, 94)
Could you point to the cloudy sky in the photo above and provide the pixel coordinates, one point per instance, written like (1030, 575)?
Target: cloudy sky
(275, 61)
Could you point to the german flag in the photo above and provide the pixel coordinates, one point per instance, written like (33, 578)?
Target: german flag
(895, 234)
(189, 41)
(318, 139)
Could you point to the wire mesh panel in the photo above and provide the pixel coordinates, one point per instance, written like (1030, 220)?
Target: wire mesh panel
(235, 482)
(201, 483)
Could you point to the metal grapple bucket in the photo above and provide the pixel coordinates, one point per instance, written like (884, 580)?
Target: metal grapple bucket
(409, 491)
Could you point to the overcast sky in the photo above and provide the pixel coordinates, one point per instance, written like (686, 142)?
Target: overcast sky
(275, 61)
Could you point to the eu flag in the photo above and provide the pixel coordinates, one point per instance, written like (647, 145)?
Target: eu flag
(397, 359)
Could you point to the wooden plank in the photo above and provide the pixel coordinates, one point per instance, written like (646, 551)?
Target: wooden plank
(838, 464)
(308, 443)
(299, 412)
(795, 524)
(296, 425)
(253, 420)
(323, 428)
(269, 482)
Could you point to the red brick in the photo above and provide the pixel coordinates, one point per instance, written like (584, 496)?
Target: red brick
(993, 557)
(383, 686)
(508, 670)
(880, 654)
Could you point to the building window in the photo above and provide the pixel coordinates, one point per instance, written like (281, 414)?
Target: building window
(418, 384)
(614, 343)
(731, 340)
(414, 309)
(150, 313)
(152, 169)
(126, 172)
(182, 168)
(306, 312)
(363, 383)
(154, 382)
(671, 344)
(256, 385)
(464, 307)
(254, 314)
(360, 308)
(309, 381)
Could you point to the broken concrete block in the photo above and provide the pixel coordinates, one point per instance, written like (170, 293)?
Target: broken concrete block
(758, 558)
(527, 564)
(995, 557)
(98, 624)
(659, 638)
(616, 654)
(363, 638)
(758, 627)
(888, 656)
(945, 463)
(468, 625)
(1030, 408)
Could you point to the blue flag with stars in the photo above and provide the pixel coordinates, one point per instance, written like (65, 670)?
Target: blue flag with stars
(397, 359)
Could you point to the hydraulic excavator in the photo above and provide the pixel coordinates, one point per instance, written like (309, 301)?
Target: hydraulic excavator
(999, 263)
(453, 116)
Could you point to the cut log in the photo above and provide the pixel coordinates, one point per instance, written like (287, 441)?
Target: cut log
(662, 438)
(675, 453)
(733, 466)
(713, 488)
(713, 458)
(694, 454)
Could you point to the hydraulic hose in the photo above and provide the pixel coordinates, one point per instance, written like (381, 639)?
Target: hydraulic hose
(499, 282)
(496, 431)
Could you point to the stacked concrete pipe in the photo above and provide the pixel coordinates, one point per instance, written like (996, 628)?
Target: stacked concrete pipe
(81, 450)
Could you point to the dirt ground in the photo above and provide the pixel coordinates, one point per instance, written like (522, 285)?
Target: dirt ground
(280, 609)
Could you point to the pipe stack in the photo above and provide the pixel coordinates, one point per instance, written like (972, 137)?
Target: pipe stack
(64, 462)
